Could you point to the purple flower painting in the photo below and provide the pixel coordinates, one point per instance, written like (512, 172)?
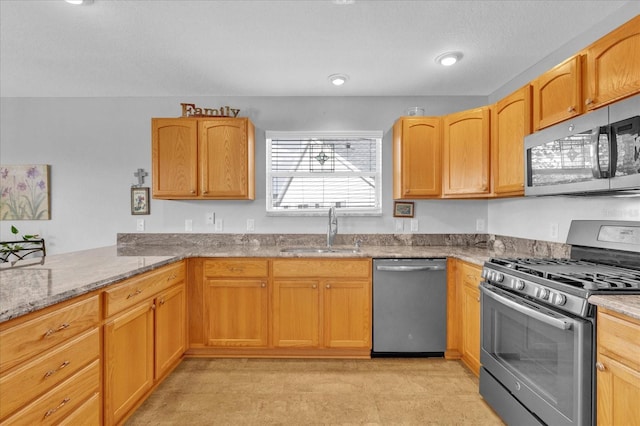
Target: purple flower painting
(24, 192)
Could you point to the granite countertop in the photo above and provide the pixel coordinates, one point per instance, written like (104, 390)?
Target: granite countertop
(628, 305)
(26, 289)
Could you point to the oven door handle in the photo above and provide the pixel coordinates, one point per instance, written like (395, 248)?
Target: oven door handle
(404, 268)
(554, 322)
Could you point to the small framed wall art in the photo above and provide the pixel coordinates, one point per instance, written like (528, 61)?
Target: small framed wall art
(139, 200)
(402, 209)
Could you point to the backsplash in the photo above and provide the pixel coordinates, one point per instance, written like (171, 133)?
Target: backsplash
(496, 243)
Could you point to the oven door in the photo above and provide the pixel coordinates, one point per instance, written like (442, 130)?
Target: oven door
(542, 357)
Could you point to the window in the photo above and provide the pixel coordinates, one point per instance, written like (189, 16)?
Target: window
(308, 172)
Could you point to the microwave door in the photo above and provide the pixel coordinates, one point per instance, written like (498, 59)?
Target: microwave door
(625, 154)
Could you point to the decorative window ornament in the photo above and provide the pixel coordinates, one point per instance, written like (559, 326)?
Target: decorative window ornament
(322, 158)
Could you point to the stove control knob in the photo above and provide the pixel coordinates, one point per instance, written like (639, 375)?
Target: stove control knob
(558, 299)
(542, 293)
(499, 277)
(519, 285)
(485, 273)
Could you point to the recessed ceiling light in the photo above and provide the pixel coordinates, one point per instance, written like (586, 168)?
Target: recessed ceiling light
(449, 58)
(79, 2)
(338, 79)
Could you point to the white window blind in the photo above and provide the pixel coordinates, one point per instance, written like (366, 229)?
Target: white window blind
(308, 172)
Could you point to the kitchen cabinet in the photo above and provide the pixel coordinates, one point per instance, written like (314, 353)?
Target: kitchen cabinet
(510, 123)
(617, 369)
(203, 158)
(417, 158)
(144, 336)
(50, 363)
(469, 277)
(557, 94)
(322, 303)
(466, 154)
(236, 301)
(613, 66)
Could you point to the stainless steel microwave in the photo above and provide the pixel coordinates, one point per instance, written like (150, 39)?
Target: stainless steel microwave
(598, 152)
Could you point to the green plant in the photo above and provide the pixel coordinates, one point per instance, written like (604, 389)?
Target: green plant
(29, 244)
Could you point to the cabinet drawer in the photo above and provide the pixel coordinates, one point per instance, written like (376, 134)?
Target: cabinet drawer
(137, 289)
(60, 401)
(23, 341)
(236, 268)
(88, 414)
(36, 377)
(619, 338)
(322, 268)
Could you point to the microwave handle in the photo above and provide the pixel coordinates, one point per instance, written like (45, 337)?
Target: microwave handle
(595, 139)
(540, 316)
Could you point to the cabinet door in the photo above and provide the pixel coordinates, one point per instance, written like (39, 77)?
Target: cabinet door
(510, 123)
(557, 94)
(613, 65)
(170, 329)
(417, 158)
(347, 314)
(226, 158)
(470, 279)
(174, 156)
(236, 313)
(296, 312)
(128, 347)
(466, 153)
(618, 393)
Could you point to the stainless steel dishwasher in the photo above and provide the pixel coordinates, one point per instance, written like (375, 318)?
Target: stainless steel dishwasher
(409, 307)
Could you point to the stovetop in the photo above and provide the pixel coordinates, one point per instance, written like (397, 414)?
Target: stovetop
(588, 275)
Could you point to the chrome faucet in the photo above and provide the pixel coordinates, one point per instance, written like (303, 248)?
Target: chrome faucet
(332, 229)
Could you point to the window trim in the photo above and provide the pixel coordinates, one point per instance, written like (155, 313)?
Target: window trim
(327, 134)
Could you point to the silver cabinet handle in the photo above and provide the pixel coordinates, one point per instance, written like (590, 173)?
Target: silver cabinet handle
(52, 372)
(52, 331)
(600, 366)
(53, 410)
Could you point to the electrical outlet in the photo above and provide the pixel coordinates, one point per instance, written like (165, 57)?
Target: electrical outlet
(480, 225)
(414, 225)
(218, 225)
(211, 218)
(251, 225)
(553, 230)
(140, 225)
(399, 225)
(188, 225)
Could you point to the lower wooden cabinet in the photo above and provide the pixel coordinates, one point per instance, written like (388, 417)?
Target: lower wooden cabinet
(463, 313)
(296, 313)
(618, 369)
(170, 329)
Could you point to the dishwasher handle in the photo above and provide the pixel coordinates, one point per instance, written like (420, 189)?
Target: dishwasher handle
(405, 268)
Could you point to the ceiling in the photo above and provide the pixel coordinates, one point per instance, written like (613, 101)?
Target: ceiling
(278, 48)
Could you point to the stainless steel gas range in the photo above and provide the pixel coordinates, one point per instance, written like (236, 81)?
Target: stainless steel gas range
(538, 328)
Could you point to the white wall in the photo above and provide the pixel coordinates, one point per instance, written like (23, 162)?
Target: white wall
(95, 145)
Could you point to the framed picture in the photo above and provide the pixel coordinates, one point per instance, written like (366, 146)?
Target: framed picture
(402, 209)
(139, 200)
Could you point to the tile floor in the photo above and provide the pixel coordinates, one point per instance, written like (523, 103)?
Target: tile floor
(381, 391)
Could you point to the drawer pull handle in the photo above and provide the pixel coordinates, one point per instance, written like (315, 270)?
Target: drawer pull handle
(53, 410)
(239, 269)
(52, 372)
(134, 294)
(172, 277)
(600, 366)
(52, 331)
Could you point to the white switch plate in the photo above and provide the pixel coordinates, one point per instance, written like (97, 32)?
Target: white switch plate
(399, 225)
(553, 230)
(210, 219)
(414, 225)
(140, 225)
(251, 225)
(219, 225)
(480, 225)
(188, 225)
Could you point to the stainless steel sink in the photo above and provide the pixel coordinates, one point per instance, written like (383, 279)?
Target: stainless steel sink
(318, 250)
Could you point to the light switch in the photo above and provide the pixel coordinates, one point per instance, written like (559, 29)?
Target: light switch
(399, 225)
(218, 225)
(188, 225)
(140, 225)
(414, 225)
(251, 225)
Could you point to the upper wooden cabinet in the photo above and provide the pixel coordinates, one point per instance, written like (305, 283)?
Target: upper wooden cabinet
(613, 66)
(417, 157)
(210, 158)
(557, 94)
(510, 123)
(466, 153)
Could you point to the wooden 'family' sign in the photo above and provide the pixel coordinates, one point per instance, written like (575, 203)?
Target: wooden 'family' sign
(191, 110)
